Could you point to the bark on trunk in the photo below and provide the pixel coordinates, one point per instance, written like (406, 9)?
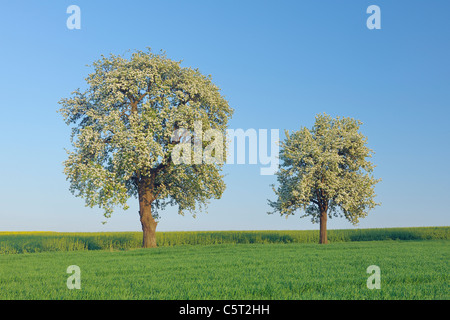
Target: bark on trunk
(147, 221)
(323, 228)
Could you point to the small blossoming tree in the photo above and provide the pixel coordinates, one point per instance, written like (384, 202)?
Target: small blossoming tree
(325, 172)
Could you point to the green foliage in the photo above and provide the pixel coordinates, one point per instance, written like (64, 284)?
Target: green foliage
(326, 170)
(409, 270)
(123, 128)
(52, 241)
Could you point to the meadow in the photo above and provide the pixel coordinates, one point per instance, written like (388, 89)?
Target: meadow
(250, 265)
(33, 242)
(413, 269)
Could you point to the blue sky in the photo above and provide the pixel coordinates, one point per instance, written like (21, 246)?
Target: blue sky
(278, 63)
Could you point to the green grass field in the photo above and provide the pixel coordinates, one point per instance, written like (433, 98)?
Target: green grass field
(30, 242)
(413, 269)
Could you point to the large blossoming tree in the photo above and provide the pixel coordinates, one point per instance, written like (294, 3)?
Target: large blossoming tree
(123, 128)
(326, 172)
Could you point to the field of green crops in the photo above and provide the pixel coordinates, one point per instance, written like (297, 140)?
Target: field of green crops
(414, 269)
(31, 242)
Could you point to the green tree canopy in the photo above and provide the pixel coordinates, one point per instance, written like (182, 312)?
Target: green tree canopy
(325, 172)
(123, 135)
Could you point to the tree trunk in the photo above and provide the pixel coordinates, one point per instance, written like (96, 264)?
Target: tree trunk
(147, 220)
(323, 228)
